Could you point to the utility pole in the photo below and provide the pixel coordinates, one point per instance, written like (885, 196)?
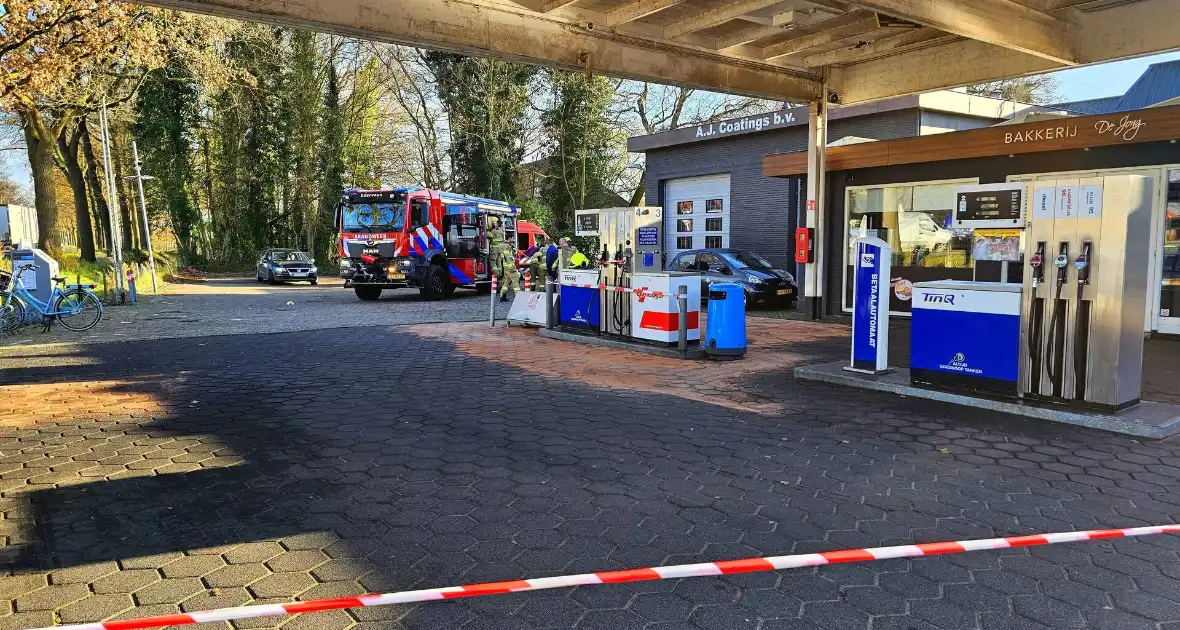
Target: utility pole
(143, 215)
(112, 205)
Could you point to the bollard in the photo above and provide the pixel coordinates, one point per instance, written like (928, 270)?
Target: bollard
(682, 306)
(492, 303)
(550, 317)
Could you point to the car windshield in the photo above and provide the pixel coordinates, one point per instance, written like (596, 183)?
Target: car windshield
(746, 260)
(289, 257)
(374, 217)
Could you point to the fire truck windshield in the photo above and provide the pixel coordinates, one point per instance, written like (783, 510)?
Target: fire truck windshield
(374, 217)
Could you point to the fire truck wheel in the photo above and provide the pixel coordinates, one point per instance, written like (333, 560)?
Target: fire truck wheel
(434, 283)
(368, 294)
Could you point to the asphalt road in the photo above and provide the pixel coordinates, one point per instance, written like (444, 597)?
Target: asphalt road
(244, 306)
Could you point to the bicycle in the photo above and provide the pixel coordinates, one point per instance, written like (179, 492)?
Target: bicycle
(77, 308)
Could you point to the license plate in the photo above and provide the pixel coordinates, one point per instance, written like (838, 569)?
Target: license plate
(785, 291)
(298, 274)
(397, 276)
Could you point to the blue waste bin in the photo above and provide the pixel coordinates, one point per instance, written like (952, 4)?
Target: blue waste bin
(725, 330)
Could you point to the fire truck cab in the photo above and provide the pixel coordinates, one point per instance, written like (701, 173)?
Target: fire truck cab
(416, 237)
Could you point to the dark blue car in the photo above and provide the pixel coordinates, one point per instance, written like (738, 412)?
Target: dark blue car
(764, 284)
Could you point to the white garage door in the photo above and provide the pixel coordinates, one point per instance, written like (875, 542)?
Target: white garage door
(697, 212)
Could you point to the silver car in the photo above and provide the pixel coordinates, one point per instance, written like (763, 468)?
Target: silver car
(279, 265)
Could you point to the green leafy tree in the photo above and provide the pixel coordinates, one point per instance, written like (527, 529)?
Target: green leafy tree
(587, 148)
(304, 106)
(167, 113)
(487, 102)
(330, 163)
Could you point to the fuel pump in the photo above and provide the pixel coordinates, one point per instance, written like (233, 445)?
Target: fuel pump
(1084, 345)
(647, 309)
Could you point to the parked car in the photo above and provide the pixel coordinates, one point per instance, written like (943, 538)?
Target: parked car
(277, 265)
(764, 284)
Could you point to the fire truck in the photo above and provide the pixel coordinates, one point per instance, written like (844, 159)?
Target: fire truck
(416, 237)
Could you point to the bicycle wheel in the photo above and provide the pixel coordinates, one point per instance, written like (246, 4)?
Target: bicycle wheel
(12, 313)
(80, 310)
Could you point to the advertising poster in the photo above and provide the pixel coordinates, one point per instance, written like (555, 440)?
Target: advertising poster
(996, 245)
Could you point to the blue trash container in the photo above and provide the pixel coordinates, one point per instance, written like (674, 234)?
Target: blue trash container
(725, 330)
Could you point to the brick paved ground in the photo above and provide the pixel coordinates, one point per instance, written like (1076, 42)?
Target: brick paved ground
(206, 472)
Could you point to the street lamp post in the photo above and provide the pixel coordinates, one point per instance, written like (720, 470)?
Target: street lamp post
(143, 215)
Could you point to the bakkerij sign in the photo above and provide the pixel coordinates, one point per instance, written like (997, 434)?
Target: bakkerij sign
(870, 306)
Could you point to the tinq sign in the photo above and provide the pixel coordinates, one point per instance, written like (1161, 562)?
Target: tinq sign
(745, 124)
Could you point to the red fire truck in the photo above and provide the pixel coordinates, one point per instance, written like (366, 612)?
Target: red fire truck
(417, 237)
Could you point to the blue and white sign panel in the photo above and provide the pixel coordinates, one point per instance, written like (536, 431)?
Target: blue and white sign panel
(870, 305)
(970, 334)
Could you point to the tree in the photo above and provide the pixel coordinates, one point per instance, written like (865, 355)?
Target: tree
(68, 143)
(586, 148)
(330, 162)
(53, 60)
(1036, 90)
(12, 193)
(166, 114)
(486, 101)
(422, 136)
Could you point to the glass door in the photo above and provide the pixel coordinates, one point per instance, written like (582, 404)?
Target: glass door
(1169, 261)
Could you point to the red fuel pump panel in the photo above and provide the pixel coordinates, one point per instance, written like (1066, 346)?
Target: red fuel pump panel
(804, 245)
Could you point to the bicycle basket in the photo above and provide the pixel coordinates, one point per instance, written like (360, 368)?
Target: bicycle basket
(5, 280)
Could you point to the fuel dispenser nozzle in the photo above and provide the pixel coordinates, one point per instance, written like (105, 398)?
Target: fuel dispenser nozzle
(1037, 262)
(1062, 263)
(1082, 263)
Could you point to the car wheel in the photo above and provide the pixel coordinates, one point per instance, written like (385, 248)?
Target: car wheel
(314, 281)
(271, 277)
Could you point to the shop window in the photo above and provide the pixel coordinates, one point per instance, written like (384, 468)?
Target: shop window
(713, 242)
(1170, 262)
(714, 224)
(684, 207)
(684, 225)
(714, 206)
(915, 221)
(683, 242)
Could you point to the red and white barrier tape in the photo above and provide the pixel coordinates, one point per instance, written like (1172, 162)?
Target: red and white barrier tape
(747, 565)
(608, 287)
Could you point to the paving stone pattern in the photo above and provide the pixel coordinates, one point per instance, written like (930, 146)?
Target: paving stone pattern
(151, 477)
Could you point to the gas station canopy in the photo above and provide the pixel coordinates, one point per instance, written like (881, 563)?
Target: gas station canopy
(778, 49)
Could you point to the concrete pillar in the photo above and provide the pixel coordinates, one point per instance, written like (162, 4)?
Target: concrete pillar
(817, 145)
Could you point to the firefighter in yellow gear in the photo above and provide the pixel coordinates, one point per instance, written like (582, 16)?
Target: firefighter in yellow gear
(536, 264)
(495, 243)
(578, 260)
(509, 274)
